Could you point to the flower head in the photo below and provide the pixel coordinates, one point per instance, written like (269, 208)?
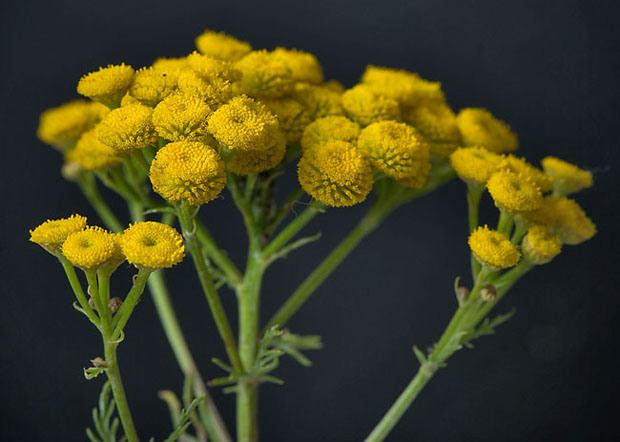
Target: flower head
(540, 245)
(514, 192)
(152, 85)
(336, 174)
(564, 217)
(52, 233)
(567, 178)
(521, 166)
(474, 164)
(396, 149)
(173, 64)
(330, 129)
(213, 90)
(245, 162)
(319, 101)
(63, 125)
(264, 75)
(91, 248)
(437, 123)
(364, 106)
(127, 128)
(292, 116)
(222, 46)
(92, 154)
(407, 88)
(304, 66)
(479, 128)
(107, 85)
(152, 245)
(181, 117)
(493, 249)
(188, 171)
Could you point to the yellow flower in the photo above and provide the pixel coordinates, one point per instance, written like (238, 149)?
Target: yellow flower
(319, 101)
(479, 128)
(336, 174)
(474, 164)
(407, 88)
(364, 106)
(493, 249)
(210, 68)
(565, 218)
(52, 233)
(244, 124)
(264, 76)
(540, 246)
(213, 90)
(91, 248)
(173, 65)
(304, 66)
(92, 154)
(514, 192)
(330, 129)
(437, 123)
(188, 171)
(567, 178)
(63, 125)
(522, 167)
(396, 149)
(222, 46)
(181, 117)
(292, 116)
(245, 162)
(152, 85)
(127, 128)
(107, 85)
(152, 245)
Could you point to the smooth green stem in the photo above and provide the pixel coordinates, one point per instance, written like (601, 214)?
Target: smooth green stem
(293, 228)
(130, 302)
(88, 186)
(474, 194)
(247, 411)
(76, 286)
(219, 257)
(505, 222)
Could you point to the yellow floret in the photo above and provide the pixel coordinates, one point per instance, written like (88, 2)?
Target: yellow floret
(364, 106)
(181, 117)
(540, 245)
(319, 101)
(152, 85)
(514, 192)
(245, 162)
(474, 164)
(304, 66)
(91, 248)
(213, 90)
(127, 128)
(209, 67)
(565, 218)
(330, 129)
(292, 116)
(52, 233)
(222, 46)
(188, 171)
(152, 245)
(173, 65)
(479, 128)
(493, 249)
(567, 178)
(336, 174)
(244, 124)
(264, 76)
(521, 166)
(63, 125)
(396, 149)
(107, 85)
(92, 154)
(407, 88)
(437, 123)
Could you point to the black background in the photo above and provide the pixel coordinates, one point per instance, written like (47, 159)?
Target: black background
(550, 68)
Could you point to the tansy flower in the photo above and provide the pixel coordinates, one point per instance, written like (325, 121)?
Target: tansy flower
(209, 67)
(264, 76)
(565, 218)
(304, 66)
(364, 106)
(187, 171)
(181, 117)
(330, 129)
(62, 126)
(319, 101)
(152, 85)
(92, 154)
(292, 116)
(437, 123)
(514, 192)
(493, 249)
(222, 46)
(127, 128)
(245, 162)
(107, 85)
(173, 65)
(540, 246)
(213, 90)
(407, 88)
(91, 248)
(334, 85)
(152, 245)
(521, 166)
(474, 164)
(52, 233)
(396, 149)
(336, 174)
(479, 128)
(567, 178)
(244, 124)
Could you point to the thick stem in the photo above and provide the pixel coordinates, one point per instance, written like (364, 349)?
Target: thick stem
(247, 411)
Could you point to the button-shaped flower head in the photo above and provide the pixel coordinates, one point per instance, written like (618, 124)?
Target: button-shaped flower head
(292, 116)
(304, 66)
(127, 128)
(92, 154)
(222, 46)
(336, 174)
(493, 249)
(533, 173)
(92, 248)
(330, 129)
(107, 85)
(245, 162)
(540, 245)
(567, 178)
(565, 217)
(513, 192)
(152, 245)
(181, 117)
(208, 78)
(407, 88)
(264, 75)
(364, 106)
(474, 164)
(479, 128)
(151, 85)
(437, 123)
(52, 233)
(188, 171)
(319, 101)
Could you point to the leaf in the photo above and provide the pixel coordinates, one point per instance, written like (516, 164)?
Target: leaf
(106, 425)
(419, 354)
(184, 420)
(92, 372)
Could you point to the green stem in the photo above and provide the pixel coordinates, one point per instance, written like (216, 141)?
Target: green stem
(130, 302)
(293, 228)
(76, 286)
(219, 257)
(474, 194)
(88, 186)
(505, 222)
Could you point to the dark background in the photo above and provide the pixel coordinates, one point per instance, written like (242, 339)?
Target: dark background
(550, 68)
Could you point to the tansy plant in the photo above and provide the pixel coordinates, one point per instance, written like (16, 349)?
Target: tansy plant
(170, 138)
